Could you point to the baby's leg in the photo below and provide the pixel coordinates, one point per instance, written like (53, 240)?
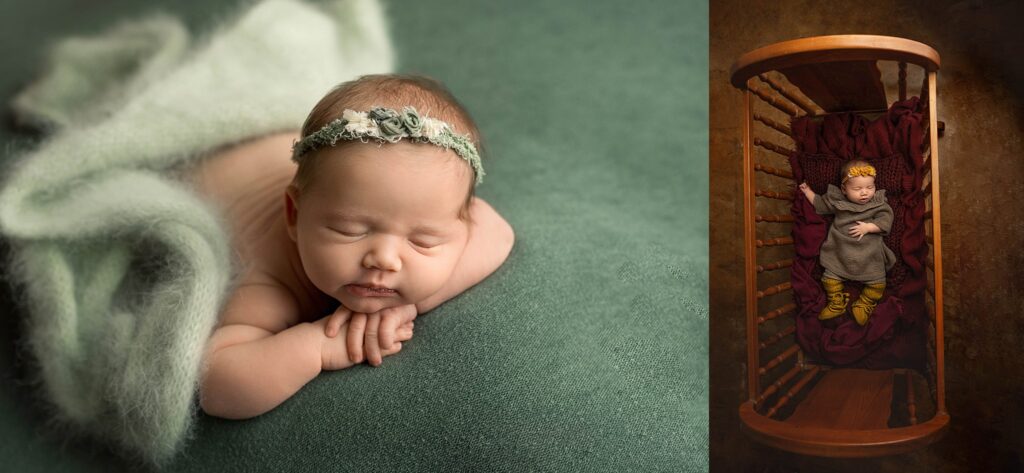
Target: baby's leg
(869, 297)
(837, 299)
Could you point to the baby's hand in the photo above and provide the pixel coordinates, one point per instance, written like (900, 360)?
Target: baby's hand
(334, 351)
(861, 229)
(806, 189)
(379, 333)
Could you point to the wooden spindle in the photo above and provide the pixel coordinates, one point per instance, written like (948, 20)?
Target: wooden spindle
(776, 313)
(924, 90)
(911, 407)
(776, 265)
(927, 215)
(773, 194)
(780, 127)
(774, 218)
(768, 145)
(774, 289)
(779, 241)
(778, 359)
(788, 93)
(793, 391)
(902, 81)
(778, 336)
(927, 189)
(777, 385)
(774, 171)
(781, 105)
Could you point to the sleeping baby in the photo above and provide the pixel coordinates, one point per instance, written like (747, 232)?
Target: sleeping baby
(372, 221)
(854, 249)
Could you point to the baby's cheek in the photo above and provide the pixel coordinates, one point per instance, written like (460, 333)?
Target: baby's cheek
(438, 272)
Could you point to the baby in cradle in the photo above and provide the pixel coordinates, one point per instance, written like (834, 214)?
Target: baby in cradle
(854, 249)
(378, 223)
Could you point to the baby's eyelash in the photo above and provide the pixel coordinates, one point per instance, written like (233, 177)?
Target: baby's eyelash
(423, 245)
(348, 234)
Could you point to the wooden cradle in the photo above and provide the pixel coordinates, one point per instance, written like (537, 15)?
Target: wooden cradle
(795, 404)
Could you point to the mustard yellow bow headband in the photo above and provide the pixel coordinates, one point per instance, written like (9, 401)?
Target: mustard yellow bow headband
(859, 171)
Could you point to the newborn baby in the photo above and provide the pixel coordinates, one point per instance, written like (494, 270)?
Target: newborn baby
(376, 224)
(854, 249)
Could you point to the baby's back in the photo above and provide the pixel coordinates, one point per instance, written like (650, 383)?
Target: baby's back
(247, 182)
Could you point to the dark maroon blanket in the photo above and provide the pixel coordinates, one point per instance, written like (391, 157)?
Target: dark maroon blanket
(895, 334)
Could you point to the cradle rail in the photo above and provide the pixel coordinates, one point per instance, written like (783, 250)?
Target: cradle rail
(778, 375)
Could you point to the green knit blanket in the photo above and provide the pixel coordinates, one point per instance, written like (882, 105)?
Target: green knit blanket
(121, 267)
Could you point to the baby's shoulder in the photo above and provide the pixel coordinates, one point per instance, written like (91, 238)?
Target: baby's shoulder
(262, 300)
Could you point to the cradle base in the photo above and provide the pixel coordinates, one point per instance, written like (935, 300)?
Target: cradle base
(835, 420)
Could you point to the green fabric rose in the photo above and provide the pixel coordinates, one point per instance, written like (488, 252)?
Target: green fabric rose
(411, 121)
(391, 129)
(380, 114)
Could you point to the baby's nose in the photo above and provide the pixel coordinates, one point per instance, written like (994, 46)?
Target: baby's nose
(383, 255)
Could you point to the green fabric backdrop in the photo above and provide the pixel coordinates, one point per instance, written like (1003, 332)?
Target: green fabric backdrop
(587, 350)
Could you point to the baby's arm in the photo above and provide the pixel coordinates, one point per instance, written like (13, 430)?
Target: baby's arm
(255, 361)
(880, 222)
(490, 241)
(806, 189)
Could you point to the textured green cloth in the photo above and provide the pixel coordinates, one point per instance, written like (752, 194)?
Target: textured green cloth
(587, 350)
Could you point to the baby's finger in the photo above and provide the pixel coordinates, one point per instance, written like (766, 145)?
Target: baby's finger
(397, 347)
(388, 324)
(404, 332)
(356, 329)
(409, 313)
(338, 318)
(372, 342)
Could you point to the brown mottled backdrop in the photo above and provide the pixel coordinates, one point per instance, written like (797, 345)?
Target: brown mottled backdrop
(980, 97)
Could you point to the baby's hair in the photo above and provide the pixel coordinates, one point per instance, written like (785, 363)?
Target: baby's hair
(428, 96)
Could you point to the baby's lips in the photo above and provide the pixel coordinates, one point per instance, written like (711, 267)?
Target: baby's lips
(370, 290)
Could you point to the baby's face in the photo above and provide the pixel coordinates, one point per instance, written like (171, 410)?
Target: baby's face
(379, 226)
(859, 189)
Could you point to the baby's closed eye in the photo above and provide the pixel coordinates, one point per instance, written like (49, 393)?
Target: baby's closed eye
(351, 231)
(426, 242)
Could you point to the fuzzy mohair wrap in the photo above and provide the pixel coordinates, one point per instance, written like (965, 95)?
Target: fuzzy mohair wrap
(121, 268)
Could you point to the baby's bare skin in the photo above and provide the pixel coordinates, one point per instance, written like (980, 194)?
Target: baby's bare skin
(247, 182)
(272, 336)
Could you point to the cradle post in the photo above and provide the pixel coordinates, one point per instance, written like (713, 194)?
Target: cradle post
(753, 383)
(933, 139)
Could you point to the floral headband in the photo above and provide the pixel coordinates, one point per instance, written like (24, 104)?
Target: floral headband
(387, 125)
(859, 171)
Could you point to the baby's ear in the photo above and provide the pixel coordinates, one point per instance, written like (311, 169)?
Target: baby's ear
(291, 210)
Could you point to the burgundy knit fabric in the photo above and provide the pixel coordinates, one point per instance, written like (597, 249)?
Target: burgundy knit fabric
(895, 334)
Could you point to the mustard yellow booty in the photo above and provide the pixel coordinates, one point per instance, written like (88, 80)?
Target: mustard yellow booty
(865, 304)
(837, 299)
